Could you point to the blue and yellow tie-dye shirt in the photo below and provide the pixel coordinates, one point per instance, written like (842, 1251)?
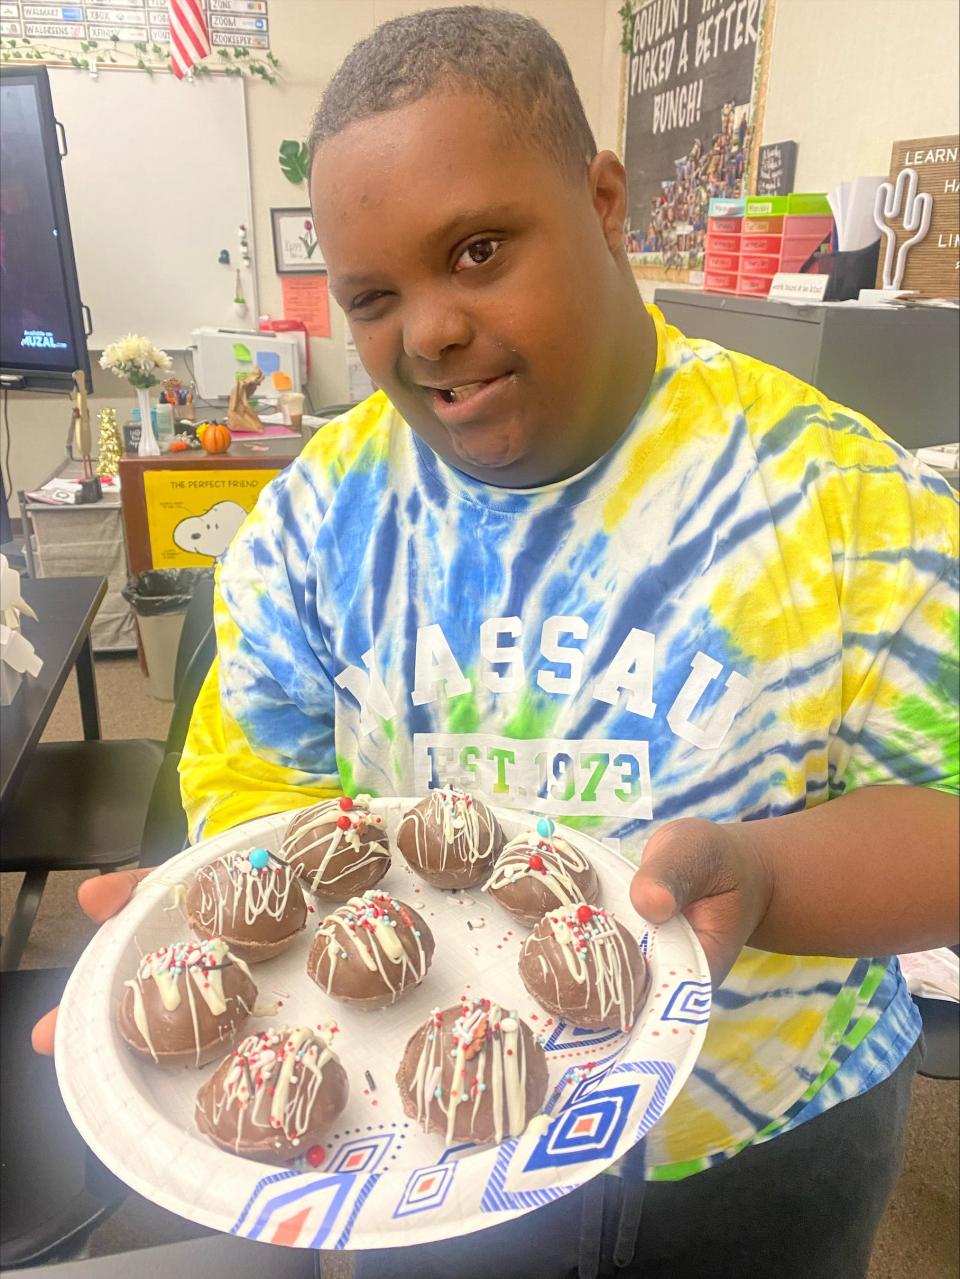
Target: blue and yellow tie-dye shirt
(748, 606)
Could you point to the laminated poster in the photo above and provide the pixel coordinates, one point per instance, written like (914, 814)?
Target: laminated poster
(192, 516)
(692, 107)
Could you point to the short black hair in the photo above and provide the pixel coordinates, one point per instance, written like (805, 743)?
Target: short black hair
(509, 58)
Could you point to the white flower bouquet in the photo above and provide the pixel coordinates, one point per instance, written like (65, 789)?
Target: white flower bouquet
(136, 359)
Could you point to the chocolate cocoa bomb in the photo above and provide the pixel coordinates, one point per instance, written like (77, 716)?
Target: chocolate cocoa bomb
(584, 967)
(275, 1096)
(187, 1003)
(450, 838)
(473, 1073)
(540, 872)
(370, 950)
(338, 848)
(252, 900)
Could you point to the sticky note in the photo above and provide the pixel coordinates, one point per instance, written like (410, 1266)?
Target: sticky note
(242, 353)
(268, 361)
(282, 382)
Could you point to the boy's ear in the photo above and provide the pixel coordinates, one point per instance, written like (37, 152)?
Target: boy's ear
(608, 189)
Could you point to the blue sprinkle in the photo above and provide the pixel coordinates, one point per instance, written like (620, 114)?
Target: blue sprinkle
(545, 827)
(259, 858)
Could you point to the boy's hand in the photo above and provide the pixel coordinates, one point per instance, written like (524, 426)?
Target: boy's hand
(100, 897)
(710, 874)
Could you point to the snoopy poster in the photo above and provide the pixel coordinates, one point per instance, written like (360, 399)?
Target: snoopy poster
(193, 516)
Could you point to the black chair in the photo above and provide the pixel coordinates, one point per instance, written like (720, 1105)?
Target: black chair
(84, 805)
(54, 1192)
(941, 1035)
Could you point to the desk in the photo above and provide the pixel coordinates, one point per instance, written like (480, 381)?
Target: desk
(898, 366)
(65, 608)
(159, 491)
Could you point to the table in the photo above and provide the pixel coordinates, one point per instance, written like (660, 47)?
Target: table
(65, 608)
(218, 1257)
(896, 365)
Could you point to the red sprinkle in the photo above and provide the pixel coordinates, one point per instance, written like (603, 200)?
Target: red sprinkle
(536, 862)
(584, 914)
(316, 1156)
(343, 822)
(346, 803)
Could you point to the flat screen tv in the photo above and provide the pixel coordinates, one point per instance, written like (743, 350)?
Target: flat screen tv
(42, 333)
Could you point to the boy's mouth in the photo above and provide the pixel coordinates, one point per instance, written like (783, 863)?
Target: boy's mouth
(460, 403)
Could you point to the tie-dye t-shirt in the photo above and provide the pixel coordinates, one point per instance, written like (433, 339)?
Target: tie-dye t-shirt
(748, 606)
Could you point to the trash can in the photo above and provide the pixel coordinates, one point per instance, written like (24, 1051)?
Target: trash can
(159, 598)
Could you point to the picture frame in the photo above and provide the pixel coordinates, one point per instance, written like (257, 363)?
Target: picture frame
(295, 247)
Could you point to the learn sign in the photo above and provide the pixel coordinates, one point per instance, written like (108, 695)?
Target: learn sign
(920, 247)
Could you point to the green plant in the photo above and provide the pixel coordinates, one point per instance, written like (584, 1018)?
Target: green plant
(294, 161)
(626, 18)
(147, 56)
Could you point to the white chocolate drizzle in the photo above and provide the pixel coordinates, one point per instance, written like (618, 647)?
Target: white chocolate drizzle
(558, 861)
(317, 834)
(594, 954)
(487, 1042)
(366, 928)
(274, 1081)
(467, 827)
(184, 967)
(250, 892)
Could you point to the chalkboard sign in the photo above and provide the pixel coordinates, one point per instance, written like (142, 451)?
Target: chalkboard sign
(692, 87)
(776, 168)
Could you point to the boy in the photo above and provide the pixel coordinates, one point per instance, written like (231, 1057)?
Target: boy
(569, 559)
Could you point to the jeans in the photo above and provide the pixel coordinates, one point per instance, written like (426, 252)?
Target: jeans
(805, 1205)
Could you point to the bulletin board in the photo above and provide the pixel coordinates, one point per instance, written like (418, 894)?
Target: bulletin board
(157, 176)
(693, 88)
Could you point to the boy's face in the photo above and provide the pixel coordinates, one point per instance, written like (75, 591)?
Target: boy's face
(483, 285)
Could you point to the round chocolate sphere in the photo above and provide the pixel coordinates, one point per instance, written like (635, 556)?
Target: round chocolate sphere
(252, 900)
(187, 1003)
(276, 1095)
(338, 847)
(450, 838)
(584, 967)
(473, 1073)
(370, 950)
(537, 873)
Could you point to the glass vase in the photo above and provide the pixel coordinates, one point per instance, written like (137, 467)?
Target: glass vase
(148, 441)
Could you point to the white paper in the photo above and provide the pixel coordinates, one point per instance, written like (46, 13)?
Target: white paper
(932, 974)
(852, 204)
(17, 655)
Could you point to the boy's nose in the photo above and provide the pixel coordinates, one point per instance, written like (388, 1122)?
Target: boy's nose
(431, 329)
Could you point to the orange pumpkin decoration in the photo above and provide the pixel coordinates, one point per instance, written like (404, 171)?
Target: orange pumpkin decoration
(215, 438)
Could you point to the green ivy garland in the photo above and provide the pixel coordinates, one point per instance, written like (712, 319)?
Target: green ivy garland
(626, 20)
(145, 55)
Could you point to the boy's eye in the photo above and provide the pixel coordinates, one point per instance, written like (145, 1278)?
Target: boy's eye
(365, 300)
(476, 254)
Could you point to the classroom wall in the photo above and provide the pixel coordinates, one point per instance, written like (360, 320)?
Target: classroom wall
(847, 78)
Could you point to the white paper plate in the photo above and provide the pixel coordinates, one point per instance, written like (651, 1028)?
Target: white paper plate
(383, 1183)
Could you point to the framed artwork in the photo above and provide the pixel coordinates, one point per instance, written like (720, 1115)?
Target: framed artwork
(295, 247)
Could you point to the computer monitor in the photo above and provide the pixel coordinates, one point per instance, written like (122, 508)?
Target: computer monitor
(43, 339)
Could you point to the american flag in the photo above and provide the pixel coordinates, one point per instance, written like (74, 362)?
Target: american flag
(189, 38)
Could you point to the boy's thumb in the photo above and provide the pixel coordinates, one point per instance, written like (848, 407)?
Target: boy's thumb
(682, 863)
